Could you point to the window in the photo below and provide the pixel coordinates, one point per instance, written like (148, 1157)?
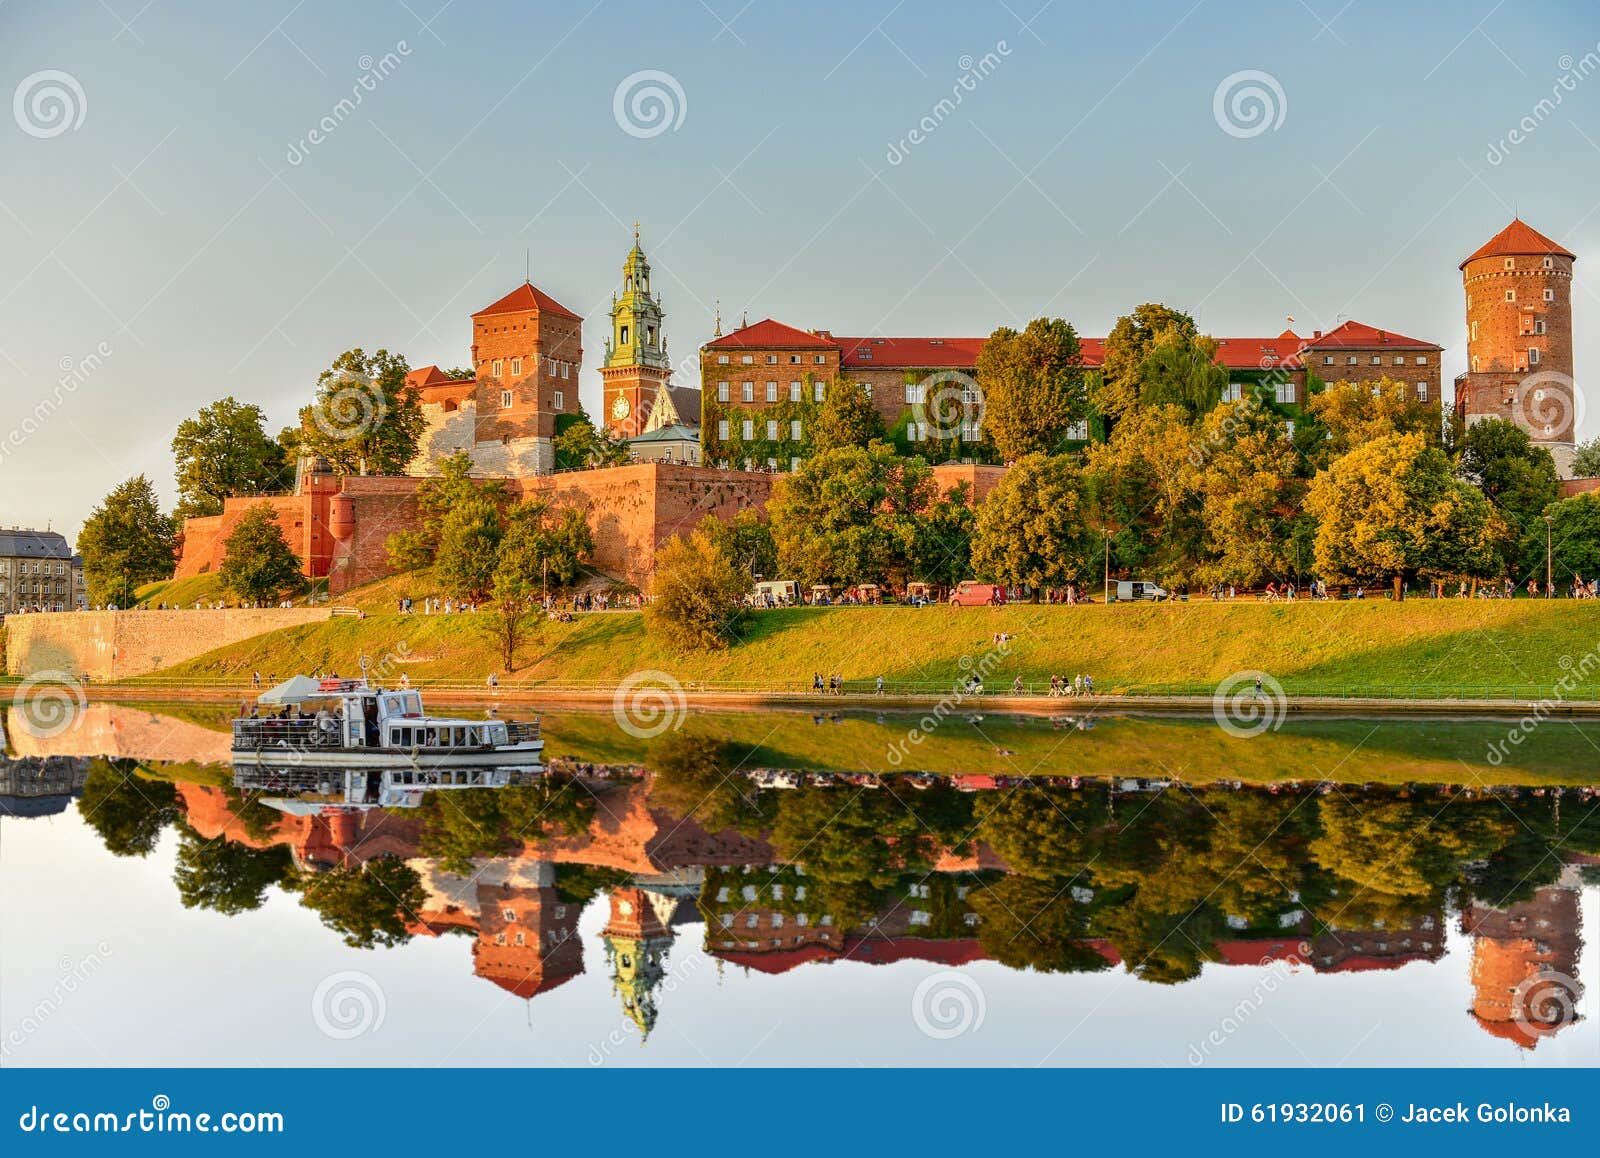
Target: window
(622, 335)
(820, 359)
(1230, 392)
(816, 391)
(794, 429)
(1350, 361)
(722, 359)
(557, 400)
(1422, 359)
(1399, 359)
(566, 368)
(1511, 295)
(746, 359)
(1533, 355)
(970, 432)
(495, 368)
(1077, 432)
(1549, 295)
(1377, 359)
(794, 464)
(1327, 359)
(722, 391)
(772, 464)
(747, 429)
(913, 393)
(794, 392)
(1549, 263)
(722, 429)
(747, 391)
(516, 366)
(772, 430)
(772, 391)
(1474, 331)
(1288, 427)
(505, 400)
(1510, 264)
(1538, 325)
(1283, 393)
(1422, 391)
(794, 359)
(772, 359)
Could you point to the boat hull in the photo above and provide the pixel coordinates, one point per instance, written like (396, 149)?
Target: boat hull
(512, 755)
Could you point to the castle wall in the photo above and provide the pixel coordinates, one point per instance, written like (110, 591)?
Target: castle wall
(108, 645)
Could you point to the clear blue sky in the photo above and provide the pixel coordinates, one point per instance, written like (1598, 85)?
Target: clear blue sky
(1085, 173)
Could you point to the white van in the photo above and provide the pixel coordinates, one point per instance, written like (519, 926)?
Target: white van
(1130, 590)
(775, 593)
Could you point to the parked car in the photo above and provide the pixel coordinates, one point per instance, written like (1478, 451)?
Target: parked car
(971, 594)
(1129, 590)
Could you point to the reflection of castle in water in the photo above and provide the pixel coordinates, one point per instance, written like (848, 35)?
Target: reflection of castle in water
(40, 785)
(655, 871)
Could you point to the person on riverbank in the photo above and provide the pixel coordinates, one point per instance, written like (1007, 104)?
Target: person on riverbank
(878, 689)
(494, 681)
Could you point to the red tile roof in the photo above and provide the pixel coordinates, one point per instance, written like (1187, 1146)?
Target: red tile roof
(909, 353)
(525, 297)
(1354, 335)
(1519, 240)
(767, 332)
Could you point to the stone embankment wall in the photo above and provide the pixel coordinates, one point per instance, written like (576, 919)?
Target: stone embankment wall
(109, 645)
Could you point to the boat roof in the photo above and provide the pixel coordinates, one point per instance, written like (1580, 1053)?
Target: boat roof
(298, 689)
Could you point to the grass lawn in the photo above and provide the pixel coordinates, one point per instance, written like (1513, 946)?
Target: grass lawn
(1379, 647)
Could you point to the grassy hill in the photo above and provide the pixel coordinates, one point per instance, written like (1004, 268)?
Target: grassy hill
(1521, 647)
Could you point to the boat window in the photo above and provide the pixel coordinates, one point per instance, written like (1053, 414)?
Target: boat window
(411, 703)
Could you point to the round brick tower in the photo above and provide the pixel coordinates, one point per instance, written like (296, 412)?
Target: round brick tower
(1519, 338)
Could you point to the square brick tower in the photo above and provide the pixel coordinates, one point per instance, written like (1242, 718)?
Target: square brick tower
(527, 353)
(1519, 338)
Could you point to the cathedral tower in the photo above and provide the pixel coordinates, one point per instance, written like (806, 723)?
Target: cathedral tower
(636, 368)
(637, 938)
(1519, 338)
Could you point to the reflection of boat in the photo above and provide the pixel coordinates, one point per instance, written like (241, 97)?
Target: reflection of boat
(370, 729)
(307, 790)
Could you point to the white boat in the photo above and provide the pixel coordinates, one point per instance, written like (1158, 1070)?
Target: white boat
(362, 728)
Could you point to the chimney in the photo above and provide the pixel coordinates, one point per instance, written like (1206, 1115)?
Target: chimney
(1383, 335)
(1315, 334)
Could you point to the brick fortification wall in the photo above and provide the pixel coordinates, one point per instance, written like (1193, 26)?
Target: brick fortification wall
(118, 644)
(343, 525)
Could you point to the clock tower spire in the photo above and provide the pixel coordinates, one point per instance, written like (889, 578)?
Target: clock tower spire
(636, 366)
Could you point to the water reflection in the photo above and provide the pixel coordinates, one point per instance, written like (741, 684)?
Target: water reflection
(777, 870)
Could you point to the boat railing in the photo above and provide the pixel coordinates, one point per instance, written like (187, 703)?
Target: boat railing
(281, 733)
(521, 731)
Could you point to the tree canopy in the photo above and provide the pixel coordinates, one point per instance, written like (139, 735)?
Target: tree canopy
(1032, 385)
(224, 452)
(698, 594)
(258, 564)
(125, 542)
(365, 419)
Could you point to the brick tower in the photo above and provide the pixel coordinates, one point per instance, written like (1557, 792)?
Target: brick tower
(527, 355)
(636, 367)
(1519, 338)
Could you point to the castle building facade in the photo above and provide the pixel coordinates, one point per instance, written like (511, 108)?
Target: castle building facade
(1518, 288)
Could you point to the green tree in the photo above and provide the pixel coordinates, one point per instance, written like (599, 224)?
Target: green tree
(1519, 480)
(258, 564)
(696, 777)
(1352, 414)
(128, 811)
(126, 541)
(581, 446)
(1392, 508)
(850, 515)
(746, 539)
(1181, 369)
(542, 551)
(1032, 529)
(1118, 388)
(1574, 537)
(365, 419)
(943, 551)
(223, 452)
(436, 498)
(1247, 471)
(1032, 386)
(367, 905)
(1141, 482)
(1026, 923)
(698, 595)
(1586, 459)
(469, 549)
(225, 876)
(847, 417)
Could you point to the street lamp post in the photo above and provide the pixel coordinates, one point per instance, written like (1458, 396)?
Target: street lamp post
(1549, 590)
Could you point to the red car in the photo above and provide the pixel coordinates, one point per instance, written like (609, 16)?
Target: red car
(970, 594)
